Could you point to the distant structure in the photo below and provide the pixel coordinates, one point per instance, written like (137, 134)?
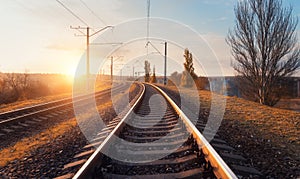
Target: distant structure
(147, 71)
(175, 79)
(153, 78)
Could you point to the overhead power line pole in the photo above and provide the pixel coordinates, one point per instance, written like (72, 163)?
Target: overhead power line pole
(165, 74)
(111, 69)
(88, 35)
(112, 66)
(87, 52)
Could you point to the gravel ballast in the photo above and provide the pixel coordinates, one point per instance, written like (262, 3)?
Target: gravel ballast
(50, 153)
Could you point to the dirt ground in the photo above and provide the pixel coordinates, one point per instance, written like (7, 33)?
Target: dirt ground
(290, 104)
(44, 153)
(267, 136)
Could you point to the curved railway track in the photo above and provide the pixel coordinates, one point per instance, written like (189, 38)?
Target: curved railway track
(167, 146)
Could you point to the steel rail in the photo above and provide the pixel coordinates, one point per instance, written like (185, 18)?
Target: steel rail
(91, 164)
(61, 103)
(220, 168)
(47, 103)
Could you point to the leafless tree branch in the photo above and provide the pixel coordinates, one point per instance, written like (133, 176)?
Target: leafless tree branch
(264, 46)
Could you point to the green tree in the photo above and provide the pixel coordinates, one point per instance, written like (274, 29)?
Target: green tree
(188, 75)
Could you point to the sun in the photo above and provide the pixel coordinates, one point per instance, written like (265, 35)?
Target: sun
(70, 73)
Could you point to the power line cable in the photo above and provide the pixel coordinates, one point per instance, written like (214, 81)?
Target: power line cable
(70, 11)
(148, 28)
(93, 12)
(148, 19)
(155, 48)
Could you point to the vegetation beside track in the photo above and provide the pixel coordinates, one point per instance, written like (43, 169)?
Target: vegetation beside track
(101, 85)
(44, 154)
(268, 136)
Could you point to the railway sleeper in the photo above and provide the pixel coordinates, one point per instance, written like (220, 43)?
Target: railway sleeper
(153, 127)
(161, 145)
(154, 123)
(162, 167)
(155, 132)
(141, 139)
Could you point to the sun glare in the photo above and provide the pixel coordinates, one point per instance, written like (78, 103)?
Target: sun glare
(70, 72)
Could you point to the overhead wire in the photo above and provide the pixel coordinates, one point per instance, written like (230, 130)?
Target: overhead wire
(97, 16)
(148, 28)
(101, 20)
(148, 19)
(80, 19)
(70, 11)
(155, 48)
(148, 31)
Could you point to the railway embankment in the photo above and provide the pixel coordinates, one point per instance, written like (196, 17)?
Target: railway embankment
(267, 136)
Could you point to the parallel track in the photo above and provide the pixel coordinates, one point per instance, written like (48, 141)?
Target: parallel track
(9, 121)
(178, 147)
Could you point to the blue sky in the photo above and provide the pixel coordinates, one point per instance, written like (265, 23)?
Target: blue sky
(35, 35)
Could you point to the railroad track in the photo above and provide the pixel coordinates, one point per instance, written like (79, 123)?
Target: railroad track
(17, 119)
(150, 145)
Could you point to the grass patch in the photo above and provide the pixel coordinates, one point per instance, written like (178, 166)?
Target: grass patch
(279, 126)
(31, 102)
(23, 147)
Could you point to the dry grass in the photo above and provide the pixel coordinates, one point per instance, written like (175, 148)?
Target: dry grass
(31, 102)
(279, 126)
(262, 123)
(26, 145)
(292, 104)
(102, 85)
(23, 147)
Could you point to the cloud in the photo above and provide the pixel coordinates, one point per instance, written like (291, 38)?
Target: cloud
(222, 19)
(221, 50)
(218, 2)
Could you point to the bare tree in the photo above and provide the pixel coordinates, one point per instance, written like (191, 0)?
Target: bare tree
(24, 84)
(13, 80)
(264, 47)
(2, 88)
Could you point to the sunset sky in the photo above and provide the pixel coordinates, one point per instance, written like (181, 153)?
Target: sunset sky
(36, 35)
